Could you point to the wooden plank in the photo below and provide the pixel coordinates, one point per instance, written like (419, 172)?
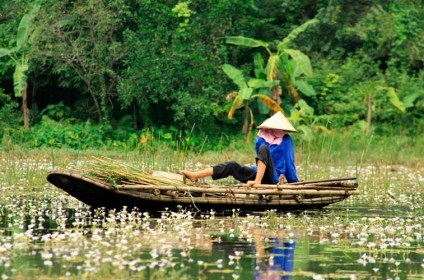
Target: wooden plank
(168, 176)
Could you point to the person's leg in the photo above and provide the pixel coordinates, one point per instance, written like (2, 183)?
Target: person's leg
(194, 176)
(264, 158)
(231, 168)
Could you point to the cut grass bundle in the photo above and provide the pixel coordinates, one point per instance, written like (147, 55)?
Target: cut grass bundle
(117, 173)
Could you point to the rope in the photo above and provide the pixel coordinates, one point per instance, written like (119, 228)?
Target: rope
(192, 200)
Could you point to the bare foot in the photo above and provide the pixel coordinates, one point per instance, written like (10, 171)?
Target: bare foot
(190, 175)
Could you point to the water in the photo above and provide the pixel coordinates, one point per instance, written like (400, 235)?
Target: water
(46, 234)
(47, 238)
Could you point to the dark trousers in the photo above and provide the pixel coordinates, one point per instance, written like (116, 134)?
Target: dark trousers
(244, 173)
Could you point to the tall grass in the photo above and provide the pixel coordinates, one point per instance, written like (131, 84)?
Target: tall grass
(326, 156)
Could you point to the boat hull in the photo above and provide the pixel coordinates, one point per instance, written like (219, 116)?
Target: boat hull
(98, 194)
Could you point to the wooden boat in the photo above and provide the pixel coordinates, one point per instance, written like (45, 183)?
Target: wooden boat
(175, 193)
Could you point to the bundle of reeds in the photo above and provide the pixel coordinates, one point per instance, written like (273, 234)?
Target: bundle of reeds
(118, 173)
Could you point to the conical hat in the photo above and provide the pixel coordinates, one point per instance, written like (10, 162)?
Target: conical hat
(278, 121)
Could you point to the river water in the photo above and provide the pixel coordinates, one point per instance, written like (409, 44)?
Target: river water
(46, 234)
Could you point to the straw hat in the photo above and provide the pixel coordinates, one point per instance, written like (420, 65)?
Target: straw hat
(278, 121)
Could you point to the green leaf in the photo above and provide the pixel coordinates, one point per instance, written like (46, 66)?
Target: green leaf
(255, 83)
(294, 34)
(235, 75)
(4, 52)
(259, 66)
(259, 83)
(244, 41)
(307, 133)
(409, 100)
(297, 71)
(270, 84)
(305, 88)
(294, 115)
(395, 99)
(24, 28)
(245, 93)
(23, 31)
(301, 60)
(20, 79)
(305, 109)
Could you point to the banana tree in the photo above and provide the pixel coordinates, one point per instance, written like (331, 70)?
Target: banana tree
(20, 54)
(255, 88)
(282, 70)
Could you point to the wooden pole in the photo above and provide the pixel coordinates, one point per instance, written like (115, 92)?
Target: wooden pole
(322, 181)
(238, 191)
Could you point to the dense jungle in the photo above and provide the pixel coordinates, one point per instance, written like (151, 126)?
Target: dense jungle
(115, 74)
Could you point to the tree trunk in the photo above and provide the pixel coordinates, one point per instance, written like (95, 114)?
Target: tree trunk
(369, 114)
(25, 108)
(245, 127)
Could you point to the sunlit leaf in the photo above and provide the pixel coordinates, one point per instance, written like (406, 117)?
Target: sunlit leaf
(235, 75)
(302, 61)
(245, 93)
(294, 115)
(244, 41)
(272, 67)
(236, 104)
(255, 83)
(269, 103)
(395, 99)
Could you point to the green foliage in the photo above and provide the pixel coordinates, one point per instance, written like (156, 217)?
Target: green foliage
(137, 64)
(174, 77)
(393, 32)
(9, 115)
(93, 31)
(22, 52)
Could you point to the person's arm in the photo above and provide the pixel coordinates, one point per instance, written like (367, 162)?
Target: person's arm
(259, 174)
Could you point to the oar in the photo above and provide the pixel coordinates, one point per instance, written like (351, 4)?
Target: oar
(322, 181)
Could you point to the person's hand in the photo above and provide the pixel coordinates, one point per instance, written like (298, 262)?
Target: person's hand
(253, 183)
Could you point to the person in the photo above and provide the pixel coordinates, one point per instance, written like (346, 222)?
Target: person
(274, 157)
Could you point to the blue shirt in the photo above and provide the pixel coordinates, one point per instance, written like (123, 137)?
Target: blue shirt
(283, 157)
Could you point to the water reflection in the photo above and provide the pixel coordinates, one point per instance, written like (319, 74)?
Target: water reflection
(280, 262)
(268, 258)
